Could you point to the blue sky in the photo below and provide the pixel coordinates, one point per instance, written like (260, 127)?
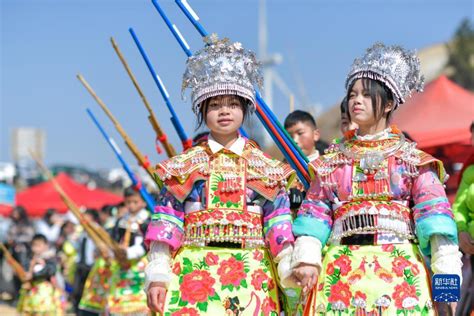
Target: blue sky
(44, 44)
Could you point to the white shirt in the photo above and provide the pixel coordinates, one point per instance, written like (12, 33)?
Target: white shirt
(237, 147)
(313, 156)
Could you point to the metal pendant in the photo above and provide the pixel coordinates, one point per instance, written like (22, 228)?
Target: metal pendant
(371, 161)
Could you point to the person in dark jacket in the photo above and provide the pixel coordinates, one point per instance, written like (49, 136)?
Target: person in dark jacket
(39, 295)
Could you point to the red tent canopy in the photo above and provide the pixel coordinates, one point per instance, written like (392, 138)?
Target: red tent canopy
(37, 199)
(438, 116)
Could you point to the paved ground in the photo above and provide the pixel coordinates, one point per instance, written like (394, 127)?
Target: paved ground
(6, 310)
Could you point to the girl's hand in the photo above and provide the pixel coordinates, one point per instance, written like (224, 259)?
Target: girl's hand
(156, 295)
(307, 276)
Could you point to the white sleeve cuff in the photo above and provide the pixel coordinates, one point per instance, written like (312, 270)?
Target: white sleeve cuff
(286, 251)
(159, 266)
(306, 250)
(446, 257)
(283, 259)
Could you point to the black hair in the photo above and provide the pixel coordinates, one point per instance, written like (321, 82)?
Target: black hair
(130, 191)
(200, 137)
(93, 212)
(22, 215)
(344, 107)
(321, 145)
(47, 216)
(472, 127)
(377, 91)
(63, 227)
(407, 136)
(298, 116)
(204, 104)
(107, 209)
(40, 237)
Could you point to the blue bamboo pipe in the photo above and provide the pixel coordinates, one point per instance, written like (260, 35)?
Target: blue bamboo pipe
(143, 192)
(174, 29)
(191, 15)
(194, 19)
(302, 159)
(285, 154)
(164, 92)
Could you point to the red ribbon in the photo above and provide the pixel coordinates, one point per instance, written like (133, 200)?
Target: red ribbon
(137, 186)
(163, 138)
(146, 164)
(188, 143)
(157, 146)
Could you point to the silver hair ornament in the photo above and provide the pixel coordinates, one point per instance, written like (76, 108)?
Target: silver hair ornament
(394, 66)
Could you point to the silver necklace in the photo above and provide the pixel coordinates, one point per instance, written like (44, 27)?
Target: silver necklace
(371, 160)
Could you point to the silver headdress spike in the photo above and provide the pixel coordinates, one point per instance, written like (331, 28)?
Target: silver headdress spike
(221, 68)
(396, 67)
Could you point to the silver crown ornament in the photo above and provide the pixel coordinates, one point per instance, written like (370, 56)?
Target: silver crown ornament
(222, 68)
(394, 66)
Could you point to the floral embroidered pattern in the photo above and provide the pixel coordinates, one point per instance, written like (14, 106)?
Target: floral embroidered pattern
(226, 196)
(186, 311)
(222, 281)
(126, 288)
(232, 273)
(226, 185)
(340, 293)
(197, 286)
(375, 280)
(97, 286)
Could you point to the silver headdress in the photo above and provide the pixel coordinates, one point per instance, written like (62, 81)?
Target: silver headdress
(394, 66)
(220, 68)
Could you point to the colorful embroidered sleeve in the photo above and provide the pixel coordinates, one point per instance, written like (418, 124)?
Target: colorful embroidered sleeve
(314, 216)
(432, 213)
(463, 207)
(166, 223)
(277, 222)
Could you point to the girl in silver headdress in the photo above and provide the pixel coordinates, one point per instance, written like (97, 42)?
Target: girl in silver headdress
(224, 213)
(377, 202)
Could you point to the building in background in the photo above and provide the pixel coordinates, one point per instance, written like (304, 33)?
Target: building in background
(23, 141)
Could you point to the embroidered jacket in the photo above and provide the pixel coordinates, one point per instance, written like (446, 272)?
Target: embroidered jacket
(385, 187)
(213, 194)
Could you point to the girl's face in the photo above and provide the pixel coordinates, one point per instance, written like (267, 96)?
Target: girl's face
(361, 107)
(224, 114)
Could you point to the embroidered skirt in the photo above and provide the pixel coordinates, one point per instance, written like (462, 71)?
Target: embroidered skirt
(372, 280)
(42, 298)
(97, 287)
(222, 281)
(127, 295)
